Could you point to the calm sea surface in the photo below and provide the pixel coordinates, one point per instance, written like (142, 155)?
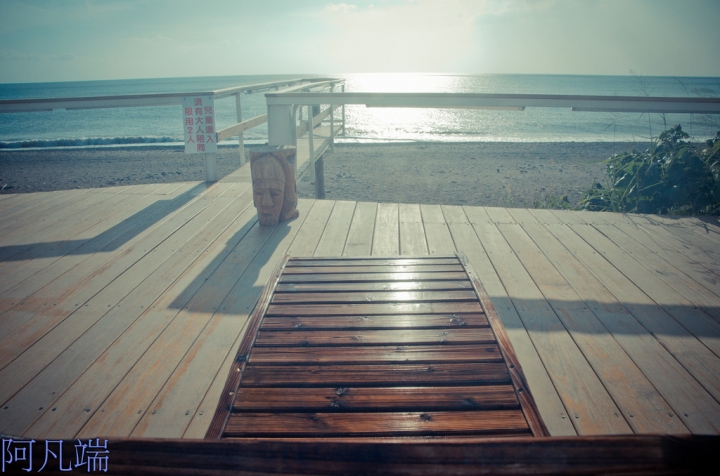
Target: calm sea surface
(163, 125)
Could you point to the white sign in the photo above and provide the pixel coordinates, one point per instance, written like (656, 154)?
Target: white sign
(199, 124)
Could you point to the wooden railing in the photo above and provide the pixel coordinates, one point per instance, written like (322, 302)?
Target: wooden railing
(282, 105)
(174, 99)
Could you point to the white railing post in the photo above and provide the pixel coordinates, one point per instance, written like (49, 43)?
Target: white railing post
(332, 122)
(310, 136)
(210, 167)
(343, 111)
(281, 125)
(241, 137)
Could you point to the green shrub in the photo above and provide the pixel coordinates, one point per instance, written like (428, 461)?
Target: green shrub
(671, 177)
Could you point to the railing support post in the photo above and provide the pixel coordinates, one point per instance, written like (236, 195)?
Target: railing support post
(241, 137)
(316, 162)
(332, 122)
(311, 148)
(210, 167)
(281, 130)
(343, 112)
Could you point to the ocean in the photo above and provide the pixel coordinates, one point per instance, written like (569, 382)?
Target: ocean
(163, 125)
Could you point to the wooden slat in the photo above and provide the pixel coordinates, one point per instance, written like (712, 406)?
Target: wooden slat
(378, 424)
(348, 261)
(157, 336)
(412, 232)
(630, 389)
(388, 398)
(421, 268)
(360, 235)
(392, 321)
(386, 239)
(309, 234)
(376, 354)
(548, 401)
(610, 293)
(356, 309)
(374, 297)
(580, 389)
(190, 382)
(329, 287)
(437, 233)
(670, 323)
(360, 277)
(333, 237)
(374, 375)
(375, 337)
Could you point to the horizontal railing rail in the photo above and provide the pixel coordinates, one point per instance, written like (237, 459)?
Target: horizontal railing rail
(174, 99)
(132, 100)
(503, 101)
(283, 105)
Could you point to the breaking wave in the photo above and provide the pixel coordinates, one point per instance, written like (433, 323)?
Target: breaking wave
(87, 141)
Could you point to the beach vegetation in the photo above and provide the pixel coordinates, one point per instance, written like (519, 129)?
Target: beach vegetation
(673, 176)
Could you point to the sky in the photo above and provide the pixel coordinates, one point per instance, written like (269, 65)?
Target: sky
(69, 40)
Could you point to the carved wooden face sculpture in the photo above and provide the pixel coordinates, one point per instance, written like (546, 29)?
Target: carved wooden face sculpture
(268, 189)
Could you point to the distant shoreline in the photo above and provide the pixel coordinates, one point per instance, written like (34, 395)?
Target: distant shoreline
(452, 173)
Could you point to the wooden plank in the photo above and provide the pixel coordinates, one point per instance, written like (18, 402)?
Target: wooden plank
(32, 257)
(42, 225)
(187, 388)
(308, 237)
(233, 380)
(70, 313)
(393, 321)
(375, 337)
(529, 408)
(34, 205)
(330, 287)
(671, 322)
(350, 261)
(629, 387)
(377, 424)
(375, 375)
(389, 398)
(332, 241)
(673, 288)
(360, 236)
(708, 280)
(63, 277)
(88, 339)
(548, 402)
(611, 298)
(91, 390)
(705, 270)
(693, 233)
(582, 392)
(430, 268)
(438, 236)
(376, 354)
(376, 297)
(360, 309)
(386, 238)
(359, 277)
(146, 378)
(412, 232)
(94, 239)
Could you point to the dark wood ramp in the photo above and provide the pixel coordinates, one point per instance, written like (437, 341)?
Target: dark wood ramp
(375, 347)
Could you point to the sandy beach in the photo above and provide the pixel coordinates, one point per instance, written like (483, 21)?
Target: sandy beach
(485, 174)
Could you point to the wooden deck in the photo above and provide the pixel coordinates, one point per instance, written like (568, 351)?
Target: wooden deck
(122, 308)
